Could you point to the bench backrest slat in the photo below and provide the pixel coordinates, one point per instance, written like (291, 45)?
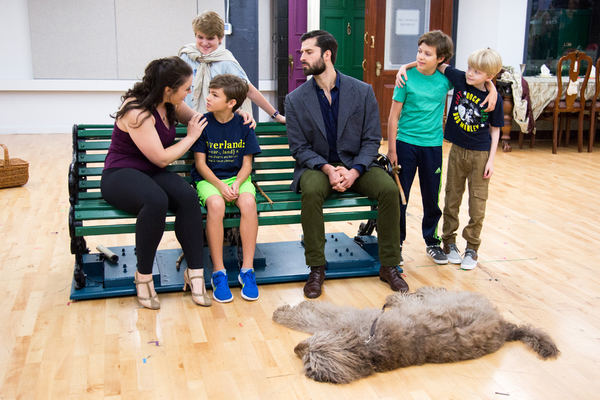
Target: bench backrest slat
(272, 172)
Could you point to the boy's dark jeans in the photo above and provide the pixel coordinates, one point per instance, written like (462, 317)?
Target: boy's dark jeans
(428, 162)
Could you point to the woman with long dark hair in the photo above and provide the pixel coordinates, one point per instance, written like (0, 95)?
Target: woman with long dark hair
(135, 179)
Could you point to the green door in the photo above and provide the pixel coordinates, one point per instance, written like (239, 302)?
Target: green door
(345, 20)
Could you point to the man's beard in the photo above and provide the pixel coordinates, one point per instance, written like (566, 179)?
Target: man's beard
(317, 69)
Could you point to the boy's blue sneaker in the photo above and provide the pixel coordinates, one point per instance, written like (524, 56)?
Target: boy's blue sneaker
(221, 292)
(249, 288)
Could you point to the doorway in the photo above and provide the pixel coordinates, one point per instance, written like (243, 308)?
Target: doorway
(345, 20)
(392, 30)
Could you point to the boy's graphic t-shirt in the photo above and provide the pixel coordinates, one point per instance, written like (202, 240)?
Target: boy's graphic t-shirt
(225, 146)
(468, 125)
(423, 98)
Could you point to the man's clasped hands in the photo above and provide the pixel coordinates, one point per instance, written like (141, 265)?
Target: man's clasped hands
(340, 178)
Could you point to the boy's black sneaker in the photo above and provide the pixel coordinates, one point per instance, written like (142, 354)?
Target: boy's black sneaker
(436, 253)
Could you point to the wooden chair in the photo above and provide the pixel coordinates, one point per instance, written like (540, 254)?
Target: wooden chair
(593, 106)
(570, 105)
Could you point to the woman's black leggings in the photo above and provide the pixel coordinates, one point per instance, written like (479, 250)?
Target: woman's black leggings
(149, 195)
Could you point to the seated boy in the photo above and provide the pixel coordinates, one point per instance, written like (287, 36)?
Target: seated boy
(223, 163)
(474, 133)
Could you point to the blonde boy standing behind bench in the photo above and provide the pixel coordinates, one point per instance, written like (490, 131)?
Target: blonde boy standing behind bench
(208, 58)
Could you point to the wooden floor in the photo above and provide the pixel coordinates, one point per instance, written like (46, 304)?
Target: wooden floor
(538, 262)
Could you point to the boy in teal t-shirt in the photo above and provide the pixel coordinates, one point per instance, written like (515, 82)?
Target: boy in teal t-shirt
(416, 122)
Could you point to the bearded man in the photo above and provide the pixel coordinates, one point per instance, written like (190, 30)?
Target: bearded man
(334, 135)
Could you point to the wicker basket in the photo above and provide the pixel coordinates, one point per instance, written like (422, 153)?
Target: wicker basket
(13, 172)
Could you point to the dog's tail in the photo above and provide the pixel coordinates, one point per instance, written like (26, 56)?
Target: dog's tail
(536, 339)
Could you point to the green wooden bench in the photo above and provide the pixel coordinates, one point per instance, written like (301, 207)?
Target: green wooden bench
(95, 276)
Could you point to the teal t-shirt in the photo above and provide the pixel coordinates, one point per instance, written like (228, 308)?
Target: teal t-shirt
(423, 98)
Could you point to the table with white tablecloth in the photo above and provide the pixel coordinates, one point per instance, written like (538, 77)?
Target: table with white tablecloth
(543, 90)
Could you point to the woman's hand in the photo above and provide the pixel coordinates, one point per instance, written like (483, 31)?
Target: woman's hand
(248, 118)
(196, 126)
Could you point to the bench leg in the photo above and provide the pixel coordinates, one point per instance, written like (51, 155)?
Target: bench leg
(78, 248)
(366, 229)
(78, 274)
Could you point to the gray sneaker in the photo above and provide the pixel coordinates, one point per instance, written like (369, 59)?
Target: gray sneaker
(452, 253)
(470, 260)
(436, 253)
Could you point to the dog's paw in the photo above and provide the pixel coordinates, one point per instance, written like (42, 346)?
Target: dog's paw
(318, 376)
(331, 371)
(301, 349)
(280, 312)
(395, 300)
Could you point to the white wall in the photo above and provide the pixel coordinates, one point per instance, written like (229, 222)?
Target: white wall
(499, 25)
(30, 105)
(15, 43)
(52, 106)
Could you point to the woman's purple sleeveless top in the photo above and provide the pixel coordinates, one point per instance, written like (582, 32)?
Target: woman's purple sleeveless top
(123, 153)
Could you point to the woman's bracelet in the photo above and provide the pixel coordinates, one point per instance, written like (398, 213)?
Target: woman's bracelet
(275, 114)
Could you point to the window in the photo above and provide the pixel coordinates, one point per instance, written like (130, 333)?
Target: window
(406, 21)
(558, 27)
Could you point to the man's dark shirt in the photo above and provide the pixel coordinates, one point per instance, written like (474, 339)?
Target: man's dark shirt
(330, 117)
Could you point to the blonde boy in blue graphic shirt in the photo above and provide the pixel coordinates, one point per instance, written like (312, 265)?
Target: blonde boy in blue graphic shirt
(223, 163)
(474, 134)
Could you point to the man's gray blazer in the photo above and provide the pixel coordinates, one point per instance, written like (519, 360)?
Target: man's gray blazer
(358, 127)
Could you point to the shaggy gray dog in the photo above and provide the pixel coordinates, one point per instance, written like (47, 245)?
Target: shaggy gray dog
(431, 325)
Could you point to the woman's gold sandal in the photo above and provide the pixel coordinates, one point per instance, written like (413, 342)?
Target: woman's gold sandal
(154, 304)
(202, 298)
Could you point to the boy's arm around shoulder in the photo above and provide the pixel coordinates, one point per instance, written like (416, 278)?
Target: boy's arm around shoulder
(492, 97)
(401, 76)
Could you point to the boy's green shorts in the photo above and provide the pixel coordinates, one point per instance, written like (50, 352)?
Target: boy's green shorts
(205, 189)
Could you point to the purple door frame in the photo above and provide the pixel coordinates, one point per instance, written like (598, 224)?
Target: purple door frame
(297, 24)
